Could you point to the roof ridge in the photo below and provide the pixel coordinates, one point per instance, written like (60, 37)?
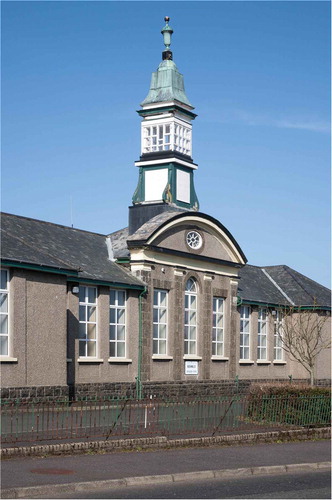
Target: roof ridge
(288, 270)
(52, 223)
(306, 277)
(278, 287)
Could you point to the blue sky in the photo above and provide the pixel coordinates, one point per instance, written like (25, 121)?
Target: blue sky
(258, 74)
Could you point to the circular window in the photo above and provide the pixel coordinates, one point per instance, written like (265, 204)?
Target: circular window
(194, 240)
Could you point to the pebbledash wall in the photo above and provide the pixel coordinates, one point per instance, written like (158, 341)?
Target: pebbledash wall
(45, 340)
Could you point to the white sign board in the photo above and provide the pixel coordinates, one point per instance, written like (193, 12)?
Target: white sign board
(183, 186)
(155, 183)
(191, 368)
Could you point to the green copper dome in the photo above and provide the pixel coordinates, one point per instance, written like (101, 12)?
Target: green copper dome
(166, 85)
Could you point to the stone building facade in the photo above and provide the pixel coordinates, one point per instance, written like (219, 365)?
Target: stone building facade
(166, 306)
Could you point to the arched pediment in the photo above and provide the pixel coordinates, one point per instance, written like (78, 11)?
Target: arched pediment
(176, 233)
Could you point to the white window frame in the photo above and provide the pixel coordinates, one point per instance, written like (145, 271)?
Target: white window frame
(4, 313)
(190, 318)
(119, 324)
(218, 317)
(278, 352)
(85, 306)
(262, 333)
(245, 332)
(160, 323)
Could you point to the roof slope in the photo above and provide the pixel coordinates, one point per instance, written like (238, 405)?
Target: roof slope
(281, 285)
(32, 241)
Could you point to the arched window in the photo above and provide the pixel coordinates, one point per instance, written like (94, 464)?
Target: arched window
(190, 317)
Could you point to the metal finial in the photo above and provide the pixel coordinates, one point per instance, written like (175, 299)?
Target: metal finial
(167, 33)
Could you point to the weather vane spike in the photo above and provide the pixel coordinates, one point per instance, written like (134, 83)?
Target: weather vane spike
(167, 33)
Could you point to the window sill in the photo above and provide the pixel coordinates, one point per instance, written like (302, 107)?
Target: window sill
(219, 358)
(161, 357)
(246, 362)
(192, 357)
(7, 359)
(120, 360)
(90, 360)
(263, 362)
(279, 362)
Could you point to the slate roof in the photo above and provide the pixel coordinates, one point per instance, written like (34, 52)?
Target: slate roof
(281, 285)
(36, 242)
(119, 243)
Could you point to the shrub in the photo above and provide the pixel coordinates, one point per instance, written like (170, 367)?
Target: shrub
(289, 404)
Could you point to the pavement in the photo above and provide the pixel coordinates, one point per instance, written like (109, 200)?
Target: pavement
(32, 477)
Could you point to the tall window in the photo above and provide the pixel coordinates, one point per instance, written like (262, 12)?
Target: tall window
(262, 334)
(159, 322)
(278, 350)
(4, 340)
(245, 332)
(117, 323)
(88, 321)
(218, 327)
(190, 317)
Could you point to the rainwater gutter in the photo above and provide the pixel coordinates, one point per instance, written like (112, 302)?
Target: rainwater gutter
(139, 390)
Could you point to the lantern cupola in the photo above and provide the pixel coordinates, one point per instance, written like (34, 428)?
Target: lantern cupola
(166, 166)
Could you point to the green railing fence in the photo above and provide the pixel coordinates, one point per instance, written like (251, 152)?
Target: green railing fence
(108, 418)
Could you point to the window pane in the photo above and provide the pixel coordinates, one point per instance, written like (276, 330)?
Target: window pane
(112, 349)
(155, 331)
(162, 331)
(121, 332)
(112, 315)
(163, 299)
(3, 302)
(121, 297)
(162, 316)
(4, 346)
(91, 331)
(91, 313)
(220, 322)
(162, 347)
(192, 318)
(192, 347)
(92, 349)
(121, 349)
(193, 301)
(3, 324)
(92, 295)
(155, 315)
(155, 347)
(121, 316)
(155, 298)
(82, 313)
(219, 349)
(81, 294)
(112, 332)
(186, 332)
(3, 281)
(112, 297)
(192, 332)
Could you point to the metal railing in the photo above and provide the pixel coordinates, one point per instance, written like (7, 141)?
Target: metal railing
(108, 418)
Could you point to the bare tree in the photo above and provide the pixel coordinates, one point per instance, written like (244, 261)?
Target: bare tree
(303, 336)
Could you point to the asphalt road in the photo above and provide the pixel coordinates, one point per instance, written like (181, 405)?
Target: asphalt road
(301, 485)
